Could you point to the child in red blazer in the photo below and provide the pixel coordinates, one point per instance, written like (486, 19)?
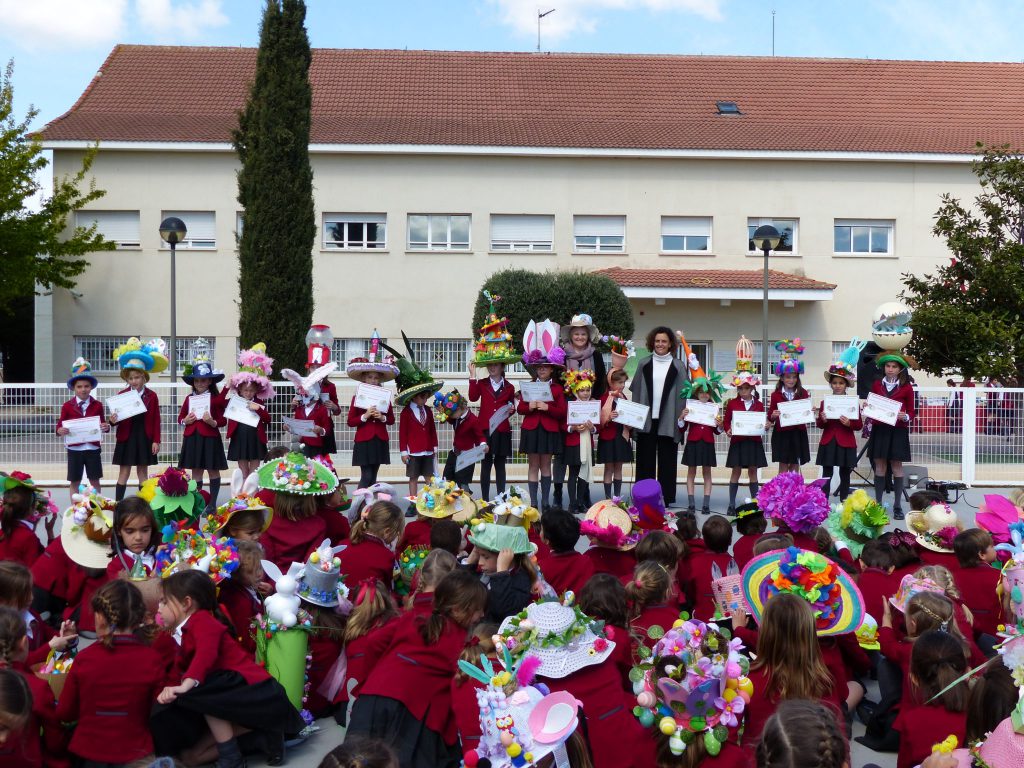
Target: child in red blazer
(138, 437)
(118, 676)
(202, 448)
(563, 567)
(370, 448)
(16, 592)
(368, 633)
(469, 434)
(407, 699)
(651, 596)
(579, 439)
(541, 431)
(789, 444)
(700, 441)
(310, 408)
(745, 451)
(465, 707)
(889, 446)
(417, 441)
(978, 581)
(218, 685)
(837, 447)
(717, 534)
(876, 581)
(371, 554)
(750, 525)
(18, 540)
(613, 446)
(494, 393)
(134, 539)
(82, 456)
(239, 597)
(247, 444)
(604, 599)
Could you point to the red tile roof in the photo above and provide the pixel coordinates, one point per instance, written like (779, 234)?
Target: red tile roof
(177, 94)
(711, 278)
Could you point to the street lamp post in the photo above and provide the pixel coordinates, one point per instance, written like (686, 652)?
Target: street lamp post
(172, 232)
(766, 238)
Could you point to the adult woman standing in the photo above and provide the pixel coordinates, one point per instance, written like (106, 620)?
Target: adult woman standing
(578, 339)
(656, 384)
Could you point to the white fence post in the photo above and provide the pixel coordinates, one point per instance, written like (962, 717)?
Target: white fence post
(969, 435)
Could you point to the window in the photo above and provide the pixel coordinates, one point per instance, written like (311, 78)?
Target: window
(201, 229)
(99, 351)
(702, 349)
(725, 360)
(599, 234)
(522, 233)
(856, 236)
(239, 223)
(442, 355)
(121, 227)
(183, 349)
(433, 232)
(787, 228)
(685, 234)
(354, 231)
(343, 350)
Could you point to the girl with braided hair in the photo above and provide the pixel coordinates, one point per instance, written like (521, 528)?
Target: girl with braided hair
(119, 676)
(15, 703)
(802, 734)
(651, 595)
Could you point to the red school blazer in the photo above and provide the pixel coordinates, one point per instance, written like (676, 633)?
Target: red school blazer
(151, 417)
(319, 416)
(700, 433)
(207, 646)
(111, 690)
(833, 429)
(369, 559)
(552, 419)
(20, 544)
(261, 428)
(217, 406)
(70, 410)
(490, 401)
(566, 570)
(737, 405)
(414, 437)
(905, 394)
(362, 653)
(773, 403)
(367, 430)
(469, 433)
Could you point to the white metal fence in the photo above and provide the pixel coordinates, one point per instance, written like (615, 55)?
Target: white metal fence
(979, 439)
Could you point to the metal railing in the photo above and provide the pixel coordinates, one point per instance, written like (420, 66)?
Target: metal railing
(980, 440)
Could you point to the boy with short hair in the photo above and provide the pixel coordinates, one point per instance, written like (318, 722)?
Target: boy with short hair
(563, 567)
(977, 580)
(469, 433)
(717, 535)
(82, 456)
(417, 440)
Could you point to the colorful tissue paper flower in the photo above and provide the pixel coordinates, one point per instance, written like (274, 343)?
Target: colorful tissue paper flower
(801, 507)
(729, 711)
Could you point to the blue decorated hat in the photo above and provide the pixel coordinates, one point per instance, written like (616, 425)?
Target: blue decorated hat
(81, 369)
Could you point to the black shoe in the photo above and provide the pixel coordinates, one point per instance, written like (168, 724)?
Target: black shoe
(865, 710)
(558, 499)
(897, 514)
(273, 747)
(691, 509)
(705, 510)
(731, 511)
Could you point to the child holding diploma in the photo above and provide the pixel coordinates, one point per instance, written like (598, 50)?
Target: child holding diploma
(82, 456)
(371, 440)
(613, 447)
(745, 451)
(310, 407)
(202, 448)
(138, 436)
(579, 442)
(838, 445)
(541, 435)
(248, 444)
(889, 446)
(469, 434)
(789, 443)
(700, 438)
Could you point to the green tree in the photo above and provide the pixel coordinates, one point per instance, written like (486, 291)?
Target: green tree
(969, 314)
(275, 188)
(34, 250)
(527, 295)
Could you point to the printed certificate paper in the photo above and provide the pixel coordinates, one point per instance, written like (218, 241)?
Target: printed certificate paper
(238, 410)
(701, 412)
(368, 396)
(582, 411)
(842, 405)
(498, 418)
(472, 456)
(199, 405)
(126, 404)
(300, 427)
(536, 391)
(631, 414)
(883, 409)
(792, 412)
(84, 430)
(748, 423)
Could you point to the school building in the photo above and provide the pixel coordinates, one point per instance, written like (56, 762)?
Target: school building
(433, 169)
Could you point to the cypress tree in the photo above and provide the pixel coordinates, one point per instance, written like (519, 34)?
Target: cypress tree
(275, 189)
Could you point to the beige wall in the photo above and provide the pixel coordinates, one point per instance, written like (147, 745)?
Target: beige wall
(431, 294)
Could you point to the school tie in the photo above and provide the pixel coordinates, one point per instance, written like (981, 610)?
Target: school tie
(84, 406)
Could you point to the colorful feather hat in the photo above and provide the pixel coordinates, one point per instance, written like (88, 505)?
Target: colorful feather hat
(582, 378)
(790, 352)
(255, 367)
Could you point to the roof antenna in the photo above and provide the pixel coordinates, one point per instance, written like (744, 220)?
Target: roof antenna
(773, 33)
(539, 17)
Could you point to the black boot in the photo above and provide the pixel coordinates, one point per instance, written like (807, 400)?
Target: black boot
(573, 490)
(558, 494)
(229, 756)
(897, 502)
(119, 492)
(879, 487)
(706, 507)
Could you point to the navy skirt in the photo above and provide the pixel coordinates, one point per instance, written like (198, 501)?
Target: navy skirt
(245, 444)
(746, 453)
(699, 454)
(790, 446)
(889, 443)
(369, 453)
(834, 455)
(539, 440)
(136, 451)
(199, 452)
(616, 450)
(389, 720)
(500, 445)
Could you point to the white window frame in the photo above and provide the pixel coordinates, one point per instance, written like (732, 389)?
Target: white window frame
(604, 229)
(348, 244)
(686, 227)
(525, 233)
(200, 235)
(755, 222)
(433, 241)
(99, 351)
(774, 356)
(702, 349)
(120, 227)
(871, 224)
(343, 350)
(447, 356)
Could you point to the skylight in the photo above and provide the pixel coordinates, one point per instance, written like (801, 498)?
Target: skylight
(728, 108)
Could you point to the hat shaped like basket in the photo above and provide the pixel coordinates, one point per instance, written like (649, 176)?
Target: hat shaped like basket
(728, 589)
(745, 364)
(936, 527)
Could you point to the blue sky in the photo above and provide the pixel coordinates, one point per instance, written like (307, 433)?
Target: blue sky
(58, 45)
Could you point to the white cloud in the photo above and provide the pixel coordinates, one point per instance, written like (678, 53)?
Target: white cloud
(583, 15)
(63, 24)
(168, 20)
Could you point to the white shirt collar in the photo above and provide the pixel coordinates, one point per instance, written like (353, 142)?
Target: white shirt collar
(29, 620)
(177, 630)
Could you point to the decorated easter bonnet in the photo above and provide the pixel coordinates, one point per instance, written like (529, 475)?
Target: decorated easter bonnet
(319, 341)
(647, 509)
(201, 366)
(81, 369)
(581, 378)
(374, 362)
(320, 581)
(746, 509)
(255, 367)
(911, 585)
(608, 524)
(710, 382)
(411, 380)
(447, 405)
(495, 537)
(17, 479)
(243, 499)
(540, 346)
(788, 500)
(857, 520)
(559, 634)
(494, 345)
(745, 364)
(936, 527)
(692, 686)
(442, 498)
(846, 366)
(790, 351)
(523, 726)
(867, 634)
(309, 385)
(147, 357)
(510, 507)
(890, 328)
(582, 320)
(833, 596)
(173, 495)
(86, 529)
(297, 475)
(184, 548)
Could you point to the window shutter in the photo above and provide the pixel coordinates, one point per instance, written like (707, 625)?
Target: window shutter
(120, 226)
(686, 225)
(522, 228)
(201, 225)
(614, 226)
